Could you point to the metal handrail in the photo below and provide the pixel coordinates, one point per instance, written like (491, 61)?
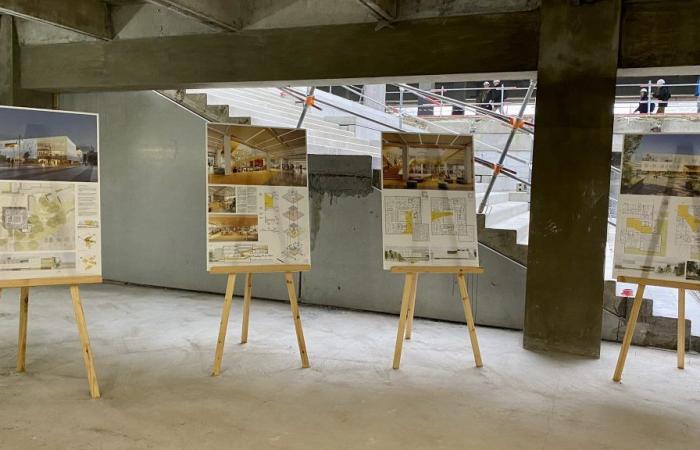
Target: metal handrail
(485, 163)
(389, 109)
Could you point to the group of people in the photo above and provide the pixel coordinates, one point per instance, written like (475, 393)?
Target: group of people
(662, 94)
(491, 97)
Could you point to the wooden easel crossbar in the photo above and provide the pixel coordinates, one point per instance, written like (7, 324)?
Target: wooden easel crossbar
(408, 304)
(288, 271)
(74, 286)
(634, 314)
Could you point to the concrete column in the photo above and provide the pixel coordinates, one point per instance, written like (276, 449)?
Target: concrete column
(10, 92)
(227, 154)
(376, 92)
(425, 107)
(7, 76)
(577, 67)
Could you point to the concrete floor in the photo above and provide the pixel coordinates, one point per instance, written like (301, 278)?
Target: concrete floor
(154, 350)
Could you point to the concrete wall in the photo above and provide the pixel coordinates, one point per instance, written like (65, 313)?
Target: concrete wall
(154, 221)
(153, 192)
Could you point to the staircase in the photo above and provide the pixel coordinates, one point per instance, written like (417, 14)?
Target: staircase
(503, 227)
(273, 108)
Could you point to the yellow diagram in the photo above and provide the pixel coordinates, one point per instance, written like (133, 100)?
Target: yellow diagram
(437, 215)
(409, 222)
(269, 201)
(692, 221)
(637, 224)
(643, 239)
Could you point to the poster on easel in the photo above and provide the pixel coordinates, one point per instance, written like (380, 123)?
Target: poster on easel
(49, 194)
(658, 213)
(257, 196)
(428, 200)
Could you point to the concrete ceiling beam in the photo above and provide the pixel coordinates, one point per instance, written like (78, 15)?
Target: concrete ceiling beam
(386, 10)
(279, 56)
(88, 17)
(222, 14)
(652, 35)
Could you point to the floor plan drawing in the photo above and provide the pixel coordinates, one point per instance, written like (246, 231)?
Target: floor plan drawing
(401, 214)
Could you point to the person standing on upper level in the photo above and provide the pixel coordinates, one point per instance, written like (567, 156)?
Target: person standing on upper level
(483, 97)
(497, 95)
(645, 105)
(663, 94)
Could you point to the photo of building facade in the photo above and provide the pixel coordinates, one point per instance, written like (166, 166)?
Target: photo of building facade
(47, 146)
(661, 165)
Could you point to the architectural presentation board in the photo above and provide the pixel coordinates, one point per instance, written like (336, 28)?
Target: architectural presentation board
(428, 202)
(658, 213)
(49, 194)
(257, 196)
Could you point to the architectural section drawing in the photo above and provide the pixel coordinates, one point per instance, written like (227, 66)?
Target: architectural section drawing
(428, 203)
(658, 225)
(49, 194)
(258, 200)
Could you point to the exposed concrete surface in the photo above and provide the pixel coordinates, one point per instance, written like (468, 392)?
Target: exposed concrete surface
(570, 189)
(154, 350)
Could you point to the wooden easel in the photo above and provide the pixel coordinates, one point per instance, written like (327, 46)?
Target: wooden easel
(408, 304)
(634, 314)
(288, 271)
(74, 284)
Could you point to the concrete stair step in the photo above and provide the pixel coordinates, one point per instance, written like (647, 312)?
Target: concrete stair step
(520, 223)
(494, 197)
(323, 137)
(271, 114)
(262, 108)
(283, 103)
(501, 212)
(519, 196)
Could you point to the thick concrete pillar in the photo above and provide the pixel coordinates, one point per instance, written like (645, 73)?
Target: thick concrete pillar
(376, 92)
(10, 92)
(425, 107)
(6, 61)
(578, 54)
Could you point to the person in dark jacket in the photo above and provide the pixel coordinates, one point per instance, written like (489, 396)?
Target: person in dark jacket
(498, 94)
(645, 105)
(663, 94)
(483, 97)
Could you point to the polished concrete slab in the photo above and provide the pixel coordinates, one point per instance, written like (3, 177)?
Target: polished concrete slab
(154, 350)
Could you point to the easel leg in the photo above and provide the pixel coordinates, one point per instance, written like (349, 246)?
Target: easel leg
(247, 296)
(22, 336)
(289, 279)
(629, 332)
(228, 299)
(403, 318)
(470, 318)
(681, 328)
(84, 341)
(412, 307)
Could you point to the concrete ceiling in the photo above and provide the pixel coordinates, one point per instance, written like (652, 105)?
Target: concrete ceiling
(132, 19)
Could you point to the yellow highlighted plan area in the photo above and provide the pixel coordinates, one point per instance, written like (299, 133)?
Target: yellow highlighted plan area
(643, 238)
(437, 215)
(409, 222)
(687, 232)
(685, 214)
